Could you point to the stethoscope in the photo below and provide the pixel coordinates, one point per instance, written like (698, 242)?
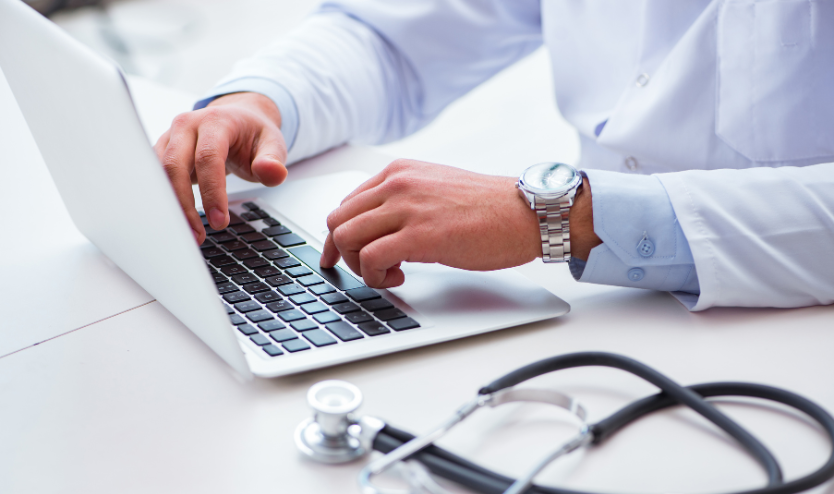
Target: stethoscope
(334, 435)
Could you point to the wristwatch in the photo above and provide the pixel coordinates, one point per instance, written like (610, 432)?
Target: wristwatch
(549, 188)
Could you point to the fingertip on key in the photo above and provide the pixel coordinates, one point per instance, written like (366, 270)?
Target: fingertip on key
(217, 218)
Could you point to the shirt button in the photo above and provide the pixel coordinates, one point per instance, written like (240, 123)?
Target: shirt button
(645, 248)
(642, 80)
(635, 274)
(631, 163)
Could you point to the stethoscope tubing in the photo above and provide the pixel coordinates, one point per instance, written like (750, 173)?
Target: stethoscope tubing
(473, 476)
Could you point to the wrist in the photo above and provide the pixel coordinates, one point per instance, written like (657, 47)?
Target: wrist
(581, 219)
(254, 101)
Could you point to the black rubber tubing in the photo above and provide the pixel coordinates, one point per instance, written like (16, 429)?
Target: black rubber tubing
(677, 392)
(469, 474)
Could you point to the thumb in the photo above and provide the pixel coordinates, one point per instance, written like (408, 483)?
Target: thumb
(270, 157)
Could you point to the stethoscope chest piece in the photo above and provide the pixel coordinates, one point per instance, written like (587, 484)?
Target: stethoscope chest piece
(333, 434)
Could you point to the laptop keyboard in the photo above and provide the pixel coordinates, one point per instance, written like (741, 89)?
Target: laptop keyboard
(278, 296)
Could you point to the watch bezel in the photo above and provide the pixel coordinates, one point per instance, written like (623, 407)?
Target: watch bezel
(549, 193)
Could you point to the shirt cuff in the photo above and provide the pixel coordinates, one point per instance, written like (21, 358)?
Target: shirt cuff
(643, 244)
(269, 88)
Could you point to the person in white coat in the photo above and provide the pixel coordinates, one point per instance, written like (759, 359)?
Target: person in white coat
(707, 132)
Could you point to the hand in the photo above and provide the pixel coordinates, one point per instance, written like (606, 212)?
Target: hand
(237, 133)
(421, 212)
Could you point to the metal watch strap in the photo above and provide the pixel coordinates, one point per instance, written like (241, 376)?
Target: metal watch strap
(554, 227)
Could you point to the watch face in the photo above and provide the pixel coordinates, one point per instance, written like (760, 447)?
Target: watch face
(550, 178)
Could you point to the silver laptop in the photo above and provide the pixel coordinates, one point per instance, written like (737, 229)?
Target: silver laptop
(254, 292)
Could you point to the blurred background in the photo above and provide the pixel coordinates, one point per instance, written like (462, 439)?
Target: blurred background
(188, 45)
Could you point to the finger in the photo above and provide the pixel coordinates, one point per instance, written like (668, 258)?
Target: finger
(270, 156)
(353, 207)
(353, 235)
(367, 185)
(211, 151)
(177, 161)
(380, 260)
(162, 144)
(330, 254)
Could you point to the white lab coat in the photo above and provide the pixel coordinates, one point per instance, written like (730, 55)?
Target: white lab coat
(743, 89)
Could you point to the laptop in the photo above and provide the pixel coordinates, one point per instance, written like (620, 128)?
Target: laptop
(254, 292)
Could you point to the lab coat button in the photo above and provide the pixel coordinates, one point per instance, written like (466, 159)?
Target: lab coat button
(631, 163)
(645, 248)
(642, 80)
(635, 274)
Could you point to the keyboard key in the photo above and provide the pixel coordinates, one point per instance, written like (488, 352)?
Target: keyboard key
(223, 237)
(271, 325)
(267, 297)
(288, 290)
(242, 279)
(219, 278)
(236, 297)
(273, 350)
(319, 338)
(247, 306)
(336, 276)
(222, 261)
(302, 298)
(233, 269)
(326, 317)
(272, 222)
(267, 271)
(279, 306)
(289, 240)
(314, 308)
(253, 237)
(207, 244)
(212, 231)
(346, 307)
(258, 316)
(226, 288)
(201, 213)
(322, 289)
(234, 219)
(403, 324)
(295, 345)
(279, 280)
(264, 245)
(275, 254)
(362, 294)
(309, 280)
(213, 252)
(241, 229)
(344, 331)
(255, 262)
(358, 317)
(236, 245)
(260, 340)
(304, 325)
(276, 230)
(251, 206)
(204, 220)
(236, 319)
(247, 329)
(389, 314)
(374, 328)
(375, 304)
(229, 310)
(261, 213)
(250, 216)
(244, 254)
(291, 315)
(334, 298)
(283, 335)
(298, 271)
(256, 287)
(287, 262)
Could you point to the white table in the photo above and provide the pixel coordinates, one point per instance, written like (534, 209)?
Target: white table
(136, 403)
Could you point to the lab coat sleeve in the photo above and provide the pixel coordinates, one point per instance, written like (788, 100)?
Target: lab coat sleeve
(373, 71)
(643, 243)
(759, 237)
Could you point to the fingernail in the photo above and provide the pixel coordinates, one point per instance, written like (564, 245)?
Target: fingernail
(216, 218)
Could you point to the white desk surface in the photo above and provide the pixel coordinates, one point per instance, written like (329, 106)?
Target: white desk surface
(135, 403)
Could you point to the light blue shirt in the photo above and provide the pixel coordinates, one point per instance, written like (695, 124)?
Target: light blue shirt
(657, 91)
